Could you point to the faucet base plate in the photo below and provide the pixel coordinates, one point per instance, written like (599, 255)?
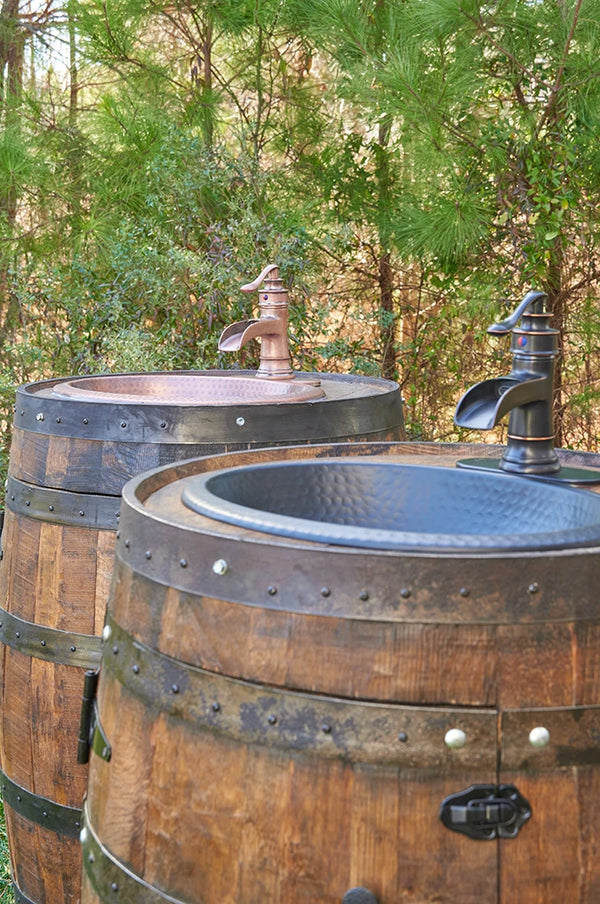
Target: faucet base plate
(573, 476)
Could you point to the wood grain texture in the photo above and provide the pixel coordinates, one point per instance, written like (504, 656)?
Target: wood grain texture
(58, 577)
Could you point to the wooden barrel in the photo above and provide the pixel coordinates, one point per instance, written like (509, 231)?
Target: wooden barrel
(288, 721)
(75, 443)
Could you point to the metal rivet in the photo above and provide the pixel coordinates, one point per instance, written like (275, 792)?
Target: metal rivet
(19, 798)
(115, 649)
(91, 858)
(17, 633)
(533, 588)
(73, 649)
(50, 508)
(220, 566)
(127, 543)
(81, 513)
(40, 416)
(539, 736)
(405, 593)
(12, 496)
(106, 633)
(123, 424)
(148, 554)
(163, 424)
(118, 534)
(175, 688)
(58, 420)
(135, 669)
(464, 591)
(272, 720)
(364, 596)
(183, 563)
(272, 591)
(42, 643)
(325, 728)
(77, 824)
(22, 414)
(45, 814)
(114, 886)
(85, 420)
(240, 421)
(325, 591)
(216, 707)
(27, 502)
(455, 738)
(402, 737)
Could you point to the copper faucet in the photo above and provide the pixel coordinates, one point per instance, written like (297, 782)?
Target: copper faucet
(271, 327)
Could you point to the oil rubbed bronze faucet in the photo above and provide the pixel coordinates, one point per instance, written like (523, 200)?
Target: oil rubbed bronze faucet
(526, 396)
(525, 393)
(271, 327)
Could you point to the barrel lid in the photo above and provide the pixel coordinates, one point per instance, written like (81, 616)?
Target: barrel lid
(343, 405)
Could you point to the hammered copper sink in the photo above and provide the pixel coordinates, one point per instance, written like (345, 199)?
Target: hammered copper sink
(187, 389)
(388, 505)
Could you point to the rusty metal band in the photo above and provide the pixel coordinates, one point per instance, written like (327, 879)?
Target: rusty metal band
(111, 879)
(329, 727)
(51, 644)
(347, 583)
(40, 810)
(62, 507)
(363, 406)
(19, 896)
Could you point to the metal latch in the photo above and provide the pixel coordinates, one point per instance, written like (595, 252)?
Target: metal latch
(91, 734)
(486, 811)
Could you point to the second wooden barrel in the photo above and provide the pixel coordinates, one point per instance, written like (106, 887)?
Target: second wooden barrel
(76, 442)
(285, 719)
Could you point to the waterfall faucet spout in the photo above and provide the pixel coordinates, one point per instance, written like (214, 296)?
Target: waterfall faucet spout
(525, 394)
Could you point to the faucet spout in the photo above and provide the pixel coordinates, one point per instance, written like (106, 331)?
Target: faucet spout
(484, 405)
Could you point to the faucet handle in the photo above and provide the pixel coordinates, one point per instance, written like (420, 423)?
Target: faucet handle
(505, 326)
(270, 268)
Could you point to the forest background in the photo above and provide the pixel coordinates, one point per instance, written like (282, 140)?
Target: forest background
(413, 166)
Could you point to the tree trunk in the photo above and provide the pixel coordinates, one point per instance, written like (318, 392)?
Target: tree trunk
(387, 314)
(12, 52)
(557, 304)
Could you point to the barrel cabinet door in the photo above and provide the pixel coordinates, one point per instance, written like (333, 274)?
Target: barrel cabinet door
(221, 791)
(553, 756)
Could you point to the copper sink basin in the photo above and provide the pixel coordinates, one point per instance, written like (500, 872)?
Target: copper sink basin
(388, 505)
(186, 389)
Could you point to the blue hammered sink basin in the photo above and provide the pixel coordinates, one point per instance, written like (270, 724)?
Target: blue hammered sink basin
(382, 504)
